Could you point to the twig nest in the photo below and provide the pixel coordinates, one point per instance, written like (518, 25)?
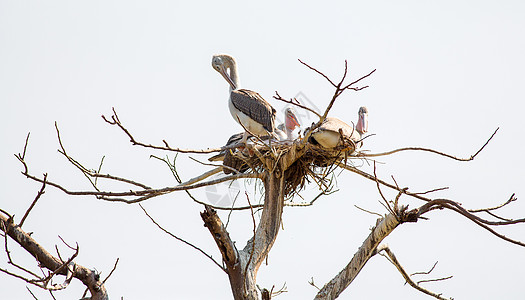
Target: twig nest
(301, 163)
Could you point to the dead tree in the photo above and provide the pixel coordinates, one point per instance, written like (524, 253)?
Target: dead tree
(56, 265)
(284, 170)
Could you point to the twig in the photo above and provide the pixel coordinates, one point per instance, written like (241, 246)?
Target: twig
(296, 103)
(436, 279)
(115, 121)
(396, 263)
(89, 173)
(312, 283)
(511, 199)
(432, 151)
(180, 239)
(370, 212)
(40, 193)
(427, 272)
(112, 270)
(34, 297)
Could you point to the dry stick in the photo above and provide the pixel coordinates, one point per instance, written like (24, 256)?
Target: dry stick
(456, 206)
(445, 203)
(112, 270)
(337, 93)
(437, 279)
(296, 103)
(216, 166)
(180, 239)
(427, 272)
(198, 178)
(116, 121)
(409, 280)
(40, 193)
(149, 193)
(88, 173)
(99, 168)
(512, 198)
(370, 212)
(433, 190)
(381, 193)
(34, 297)
(433, 151)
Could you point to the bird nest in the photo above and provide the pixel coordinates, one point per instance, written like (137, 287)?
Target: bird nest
(302, 163)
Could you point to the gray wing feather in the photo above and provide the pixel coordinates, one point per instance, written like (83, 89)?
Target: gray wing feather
(254, 106)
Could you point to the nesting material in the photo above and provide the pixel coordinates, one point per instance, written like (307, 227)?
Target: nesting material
(314, 163)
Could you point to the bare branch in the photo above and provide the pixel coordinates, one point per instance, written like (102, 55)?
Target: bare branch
(180, 239)
(367, 211)
(318, 72)
(454, 206)
(40, 193)
(115, 121)
(112, 270)
(55, 265)
(427, 272)
(409, 280)
(296, 103)
(511, 199)
(90, 173)
(141, 195)
(432, 151)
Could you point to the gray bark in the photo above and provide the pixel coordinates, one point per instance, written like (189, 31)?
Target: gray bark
(89, 278)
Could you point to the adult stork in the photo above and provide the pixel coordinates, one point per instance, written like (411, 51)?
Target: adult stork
(284, 132)
(329, 133)
(247, 107)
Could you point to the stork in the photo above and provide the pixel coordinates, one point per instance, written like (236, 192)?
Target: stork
(285, 130)
(247, 107)
(329, 133)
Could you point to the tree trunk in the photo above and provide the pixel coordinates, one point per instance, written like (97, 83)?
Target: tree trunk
(242, 266)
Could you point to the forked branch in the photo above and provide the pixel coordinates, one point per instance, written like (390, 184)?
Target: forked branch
(114, 120)
(57, 267)
(393, 259)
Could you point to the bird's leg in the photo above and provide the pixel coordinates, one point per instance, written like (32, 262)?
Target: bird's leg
(245, 142)
(244, 138)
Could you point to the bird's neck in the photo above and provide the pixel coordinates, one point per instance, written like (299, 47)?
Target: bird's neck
(234, 76)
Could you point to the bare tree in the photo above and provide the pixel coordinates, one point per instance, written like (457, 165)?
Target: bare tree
(283, 170)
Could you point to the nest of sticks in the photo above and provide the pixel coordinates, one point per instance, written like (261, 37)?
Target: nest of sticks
(314, 163)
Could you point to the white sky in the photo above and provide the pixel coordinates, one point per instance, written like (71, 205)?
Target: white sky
(448, 74)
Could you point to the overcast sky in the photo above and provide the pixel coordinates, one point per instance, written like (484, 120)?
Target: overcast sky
(448, 74)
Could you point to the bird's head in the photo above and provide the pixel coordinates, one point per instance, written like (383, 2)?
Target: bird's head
(290, 120)
(362, 122)
(222, 63)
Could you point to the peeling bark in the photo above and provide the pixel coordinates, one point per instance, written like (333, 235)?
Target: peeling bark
(340, 282)
(89, 278)
(242, 266)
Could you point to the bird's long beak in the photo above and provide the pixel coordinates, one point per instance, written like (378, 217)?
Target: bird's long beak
(362, 123)
(224, 74)
(291, 121)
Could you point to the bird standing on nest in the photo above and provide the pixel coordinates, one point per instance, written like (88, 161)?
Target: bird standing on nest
(284, 131)
(247, 107)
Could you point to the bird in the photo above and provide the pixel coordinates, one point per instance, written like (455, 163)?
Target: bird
(333, 130)
(247, 107)
(285, 130)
